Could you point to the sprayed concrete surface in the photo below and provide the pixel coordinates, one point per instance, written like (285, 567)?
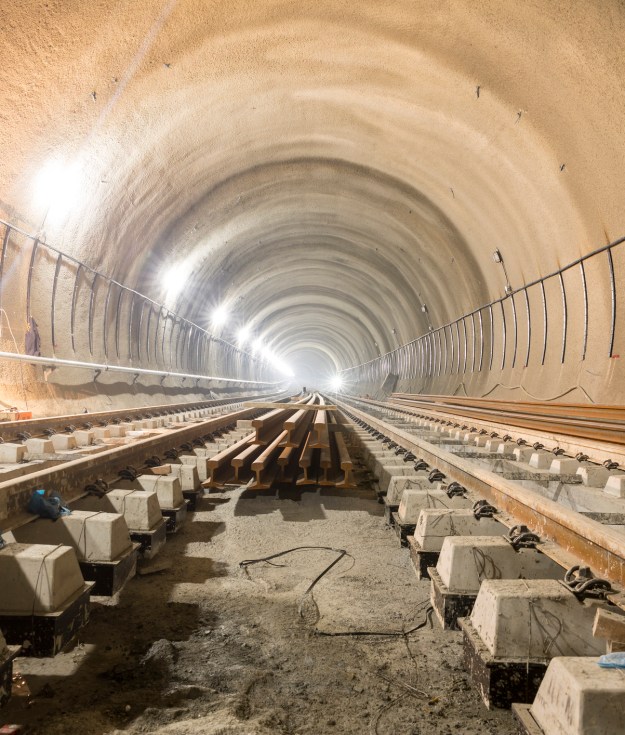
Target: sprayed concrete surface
(323, 167)
(206, 647)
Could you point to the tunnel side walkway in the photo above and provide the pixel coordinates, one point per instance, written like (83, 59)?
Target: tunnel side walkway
(204, 646)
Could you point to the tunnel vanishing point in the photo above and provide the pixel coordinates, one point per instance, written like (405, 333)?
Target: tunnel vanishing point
(335, 182)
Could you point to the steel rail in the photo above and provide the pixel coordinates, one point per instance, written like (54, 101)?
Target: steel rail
(574, 424)
(70, 478)
(578, 411)
(9, 430)
(599, 546)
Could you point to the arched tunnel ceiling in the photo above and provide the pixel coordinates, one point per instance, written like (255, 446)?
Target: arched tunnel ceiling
(324, 168)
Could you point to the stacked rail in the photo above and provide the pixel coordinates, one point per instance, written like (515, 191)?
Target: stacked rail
(298, 443)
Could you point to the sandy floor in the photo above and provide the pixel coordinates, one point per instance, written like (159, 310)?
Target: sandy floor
(207, 647)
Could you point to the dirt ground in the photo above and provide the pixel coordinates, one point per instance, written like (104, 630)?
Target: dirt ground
(208, 647)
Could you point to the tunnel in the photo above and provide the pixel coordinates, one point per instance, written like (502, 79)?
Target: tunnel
(379, 202)
(340, 182)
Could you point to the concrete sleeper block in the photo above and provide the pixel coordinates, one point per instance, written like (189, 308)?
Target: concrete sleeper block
(12, 453)
(37, 578)
(167, 487)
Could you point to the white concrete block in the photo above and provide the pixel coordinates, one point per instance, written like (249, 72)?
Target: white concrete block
(399, 483)
(37, 578)
(39, 446)
(167, 488)
(84, 437)
(466, 561)
(63, 442)
(535, 619)
(593, 475)
(386, 472)
(117, 430)
(94, 536)
(481, 440)
(523, 454)
(12, 452)
(541, 460)
(140, 508)
(201, 466)
(102, 432)
(578, 697)
(413, 501)
(615, 486)
(434, 525)
(492, 445)
(187, 474)
(564, 466)
(507, 449)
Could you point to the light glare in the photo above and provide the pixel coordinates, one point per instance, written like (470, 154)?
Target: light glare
(58, 187)
(243, 335)
(174, 278)
(220, 316)
(336, 383)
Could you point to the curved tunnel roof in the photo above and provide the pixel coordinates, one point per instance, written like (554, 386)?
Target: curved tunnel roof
(338, 174)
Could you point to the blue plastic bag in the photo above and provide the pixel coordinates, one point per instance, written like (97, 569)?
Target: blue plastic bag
(47, 507)
(612, 661)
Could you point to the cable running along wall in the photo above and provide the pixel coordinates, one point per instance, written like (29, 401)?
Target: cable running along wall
(86, 316)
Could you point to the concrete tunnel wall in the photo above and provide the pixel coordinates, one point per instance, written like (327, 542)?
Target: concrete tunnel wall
(325, 168)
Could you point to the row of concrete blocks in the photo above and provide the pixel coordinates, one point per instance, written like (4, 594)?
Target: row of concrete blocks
(524, 632)
(102, 529)
(36, 447)
(590, 474)
(44, 566)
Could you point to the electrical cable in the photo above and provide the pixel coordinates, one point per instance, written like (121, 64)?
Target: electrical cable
(341, 553)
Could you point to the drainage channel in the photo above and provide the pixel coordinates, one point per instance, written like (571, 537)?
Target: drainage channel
(524, 558)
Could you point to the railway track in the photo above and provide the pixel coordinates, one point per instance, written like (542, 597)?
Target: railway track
(597, 423)
(577, 523)
(515, 560)
(49, 425)
(293, 443)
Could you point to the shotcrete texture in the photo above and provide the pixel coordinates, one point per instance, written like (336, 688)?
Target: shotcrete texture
(324, 167)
